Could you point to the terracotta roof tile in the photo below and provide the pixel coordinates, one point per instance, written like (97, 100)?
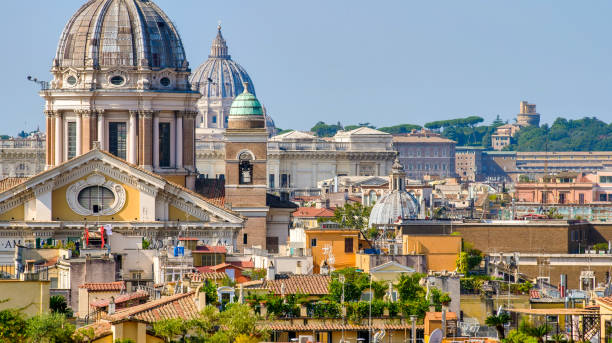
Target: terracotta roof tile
(104, 286)
(212, 189)
(11, 182)
(199, 277)
(606, 301)
(243, 264)
(176, 306)
(311, 212)
(101, 329)
(302, 284)
(330, 326)
(121, 299)
(438, 316)
(211, 249)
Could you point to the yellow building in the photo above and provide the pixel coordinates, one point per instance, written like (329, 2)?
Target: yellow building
(32, 297)
(441, 251)
(390, 271)
(334, 247)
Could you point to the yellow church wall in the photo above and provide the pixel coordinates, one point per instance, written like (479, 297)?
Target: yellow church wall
(130, 212)
(178, 179)
(15, 214)
(174, 214)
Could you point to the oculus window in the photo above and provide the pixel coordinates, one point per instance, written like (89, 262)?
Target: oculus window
(96, 198)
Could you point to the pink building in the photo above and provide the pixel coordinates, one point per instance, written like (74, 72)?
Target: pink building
(567, 188)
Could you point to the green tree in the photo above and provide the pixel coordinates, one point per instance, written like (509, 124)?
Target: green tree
(324, 130)
(399, 129)
(207, 323)
(409, 288)
(12, 326)
(354, 216)
(240, 319)
(51, 328)
(438, 298)
(58, 304)
(498, 322)
(171, 329)
(210, 289)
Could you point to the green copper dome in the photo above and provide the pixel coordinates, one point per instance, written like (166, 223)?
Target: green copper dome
(246, 104)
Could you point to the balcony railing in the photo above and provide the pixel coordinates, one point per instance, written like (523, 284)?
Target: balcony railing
(22, 144)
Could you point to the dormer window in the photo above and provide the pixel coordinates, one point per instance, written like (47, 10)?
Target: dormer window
(245, 168)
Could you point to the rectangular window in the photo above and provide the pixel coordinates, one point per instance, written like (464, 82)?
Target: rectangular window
(284, 181)
(72, 141)
(348, 245)
(117, 139)
(164, 144)
(272, 245)
(214, 119)
(271, 181)
(605, 179)
(245, 239)
(581, 199)
(603, 197)
(313, 242)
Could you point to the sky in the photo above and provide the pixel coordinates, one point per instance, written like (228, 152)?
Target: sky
(385, 62)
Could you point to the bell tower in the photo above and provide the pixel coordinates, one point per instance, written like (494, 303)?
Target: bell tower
(246, 145)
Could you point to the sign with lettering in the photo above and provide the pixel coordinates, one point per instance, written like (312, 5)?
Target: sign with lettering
(9, 244)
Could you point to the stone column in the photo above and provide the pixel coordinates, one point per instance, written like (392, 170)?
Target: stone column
(58, 148)
(49, 139)
(101, 130)
(132, 138)
(179, 140)
(79, 133)
(156, 140)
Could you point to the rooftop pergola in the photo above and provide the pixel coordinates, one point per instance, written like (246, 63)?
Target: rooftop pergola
(584, 323)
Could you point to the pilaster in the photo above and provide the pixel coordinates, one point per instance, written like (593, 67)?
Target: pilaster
(145, 138)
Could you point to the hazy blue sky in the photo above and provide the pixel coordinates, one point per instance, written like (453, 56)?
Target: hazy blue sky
(384, 62)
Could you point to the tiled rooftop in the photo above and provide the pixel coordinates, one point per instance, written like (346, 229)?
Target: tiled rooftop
(176, 306)
(104, 286)
(121, 299)
(312, 212)
(302, 284)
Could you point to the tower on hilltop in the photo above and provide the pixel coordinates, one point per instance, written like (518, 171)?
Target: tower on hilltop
(528, 115)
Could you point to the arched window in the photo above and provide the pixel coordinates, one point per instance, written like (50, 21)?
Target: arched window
(246, 168)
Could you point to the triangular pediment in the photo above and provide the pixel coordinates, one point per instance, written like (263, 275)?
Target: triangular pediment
(392, 267)
(136, 194)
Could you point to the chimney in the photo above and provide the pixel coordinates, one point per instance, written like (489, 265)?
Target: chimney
(111, 306)
(298, 268)
(271, 274)
(200, 300)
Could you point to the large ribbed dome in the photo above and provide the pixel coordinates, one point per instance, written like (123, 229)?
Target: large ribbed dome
(398, 205)
(220, 76)
(120, 33)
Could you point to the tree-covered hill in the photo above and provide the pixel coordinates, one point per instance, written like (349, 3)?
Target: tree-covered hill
(587, 134)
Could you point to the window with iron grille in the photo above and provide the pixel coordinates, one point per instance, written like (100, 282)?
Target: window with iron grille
(164, 144)
(117, 139)
(72, 141)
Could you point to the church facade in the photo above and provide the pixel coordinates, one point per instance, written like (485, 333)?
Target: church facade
(120, 150)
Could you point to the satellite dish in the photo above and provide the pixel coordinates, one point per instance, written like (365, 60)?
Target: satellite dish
(436, 336)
